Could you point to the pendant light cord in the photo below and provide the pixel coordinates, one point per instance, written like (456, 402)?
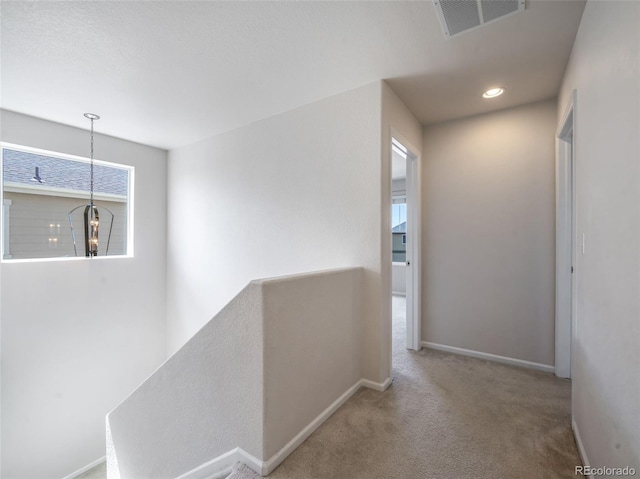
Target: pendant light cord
(91, 186)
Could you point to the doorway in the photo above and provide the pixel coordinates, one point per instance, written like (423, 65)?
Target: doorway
(565, 242)
(405, 276)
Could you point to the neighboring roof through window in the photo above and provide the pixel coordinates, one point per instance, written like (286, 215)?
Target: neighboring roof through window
(19, 167)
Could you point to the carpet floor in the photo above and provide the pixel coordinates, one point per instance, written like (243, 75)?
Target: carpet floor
(444, 416)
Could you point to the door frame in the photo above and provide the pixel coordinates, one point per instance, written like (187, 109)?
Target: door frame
(413, 272)
(566, 241)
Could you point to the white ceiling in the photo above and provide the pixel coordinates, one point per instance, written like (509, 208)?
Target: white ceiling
(171, 73)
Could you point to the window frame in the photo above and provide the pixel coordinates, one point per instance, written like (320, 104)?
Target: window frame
(398, 200)
(65, 156)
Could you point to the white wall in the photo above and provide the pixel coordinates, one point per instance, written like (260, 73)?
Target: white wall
(489, 233)
(204, 401)
(78, 336)
(604, 69)
(293, 193)
(254, 377)
(312, 340)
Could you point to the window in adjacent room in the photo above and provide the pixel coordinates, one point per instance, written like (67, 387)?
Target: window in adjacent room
(399, 229)
(40, 189)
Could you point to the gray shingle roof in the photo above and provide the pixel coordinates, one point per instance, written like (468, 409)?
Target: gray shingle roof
(19, 167)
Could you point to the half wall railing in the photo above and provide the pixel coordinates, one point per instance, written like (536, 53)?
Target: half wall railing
(251, 385)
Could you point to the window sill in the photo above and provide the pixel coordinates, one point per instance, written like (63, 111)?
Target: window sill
(63, 258)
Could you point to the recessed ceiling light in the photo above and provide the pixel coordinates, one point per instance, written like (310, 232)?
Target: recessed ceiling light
(493, 92)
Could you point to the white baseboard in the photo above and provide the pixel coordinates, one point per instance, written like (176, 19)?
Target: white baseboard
(581, 451)
(489, 357)
(376, 386)
(217, 467)
(222, 465)
(84, 469)
(275, 460)
(253, 462)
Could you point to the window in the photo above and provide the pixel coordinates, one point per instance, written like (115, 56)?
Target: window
(399, 229)
(41, 193)
(399, 215)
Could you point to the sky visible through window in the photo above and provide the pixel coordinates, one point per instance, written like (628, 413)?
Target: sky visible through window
(398, 215)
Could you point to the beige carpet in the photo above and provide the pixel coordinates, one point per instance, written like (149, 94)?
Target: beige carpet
(444, 416)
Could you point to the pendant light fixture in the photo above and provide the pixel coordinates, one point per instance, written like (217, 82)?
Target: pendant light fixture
(91, 213)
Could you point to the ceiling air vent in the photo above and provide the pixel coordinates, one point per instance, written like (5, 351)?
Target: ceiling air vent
(457, 16)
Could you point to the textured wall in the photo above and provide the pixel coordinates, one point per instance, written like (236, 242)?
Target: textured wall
(313, 333)
(202, 402)
(293, 193)
(605, 71)
(275, 357)
(489, 233)
(79, 335)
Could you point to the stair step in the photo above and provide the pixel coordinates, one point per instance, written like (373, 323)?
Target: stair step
(241, 471)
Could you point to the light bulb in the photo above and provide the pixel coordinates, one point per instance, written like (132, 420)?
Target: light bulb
(493, 92)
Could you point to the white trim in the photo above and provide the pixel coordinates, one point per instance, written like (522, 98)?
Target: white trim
(84, 469)
(13, 187)
(57, 154)
(376, 386)
(66, 193)
(563, 260)
(566, 270)
(64, 258)
(413, 253)
(253, 462)
(399, 293)
(223, 464)
(215, 468)
(5, 246)
(131, 211)
(489, 357)
(275, 460)
(413, 271)
(581, 451)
